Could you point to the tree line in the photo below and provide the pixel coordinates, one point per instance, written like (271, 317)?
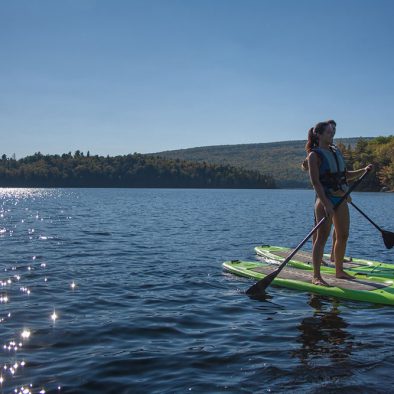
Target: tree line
(133, 170)
(378, 151)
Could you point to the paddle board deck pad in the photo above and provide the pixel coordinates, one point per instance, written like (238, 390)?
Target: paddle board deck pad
(378, 291)
(303, 260)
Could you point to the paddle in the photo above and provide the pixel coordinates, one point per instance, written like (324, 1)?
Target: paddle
(388, 236)
(258, 289)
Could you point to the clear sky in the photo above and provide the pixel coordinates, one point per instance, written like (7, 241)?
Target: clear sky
(116, 77)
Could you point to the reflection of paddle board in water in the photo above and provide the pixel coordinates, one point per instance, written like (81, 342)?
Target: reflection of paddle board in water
(379, 290)
(303, 260)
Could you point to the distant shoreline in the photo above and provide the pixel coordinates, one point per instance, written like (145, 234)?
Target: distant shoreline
(176, 188)
(145, 187)
(130, 171)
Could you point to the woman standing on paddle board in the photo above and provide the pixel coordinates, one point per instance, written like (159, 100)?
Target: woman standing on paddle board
(305, 167)
(329, 177)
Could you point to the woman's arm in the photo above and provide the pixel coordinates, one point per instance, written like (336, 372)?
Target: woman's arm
(352, 175)
(313, 161)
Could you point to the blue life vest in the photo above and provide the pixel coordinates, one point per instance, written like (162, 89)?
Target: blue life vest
(332, 170)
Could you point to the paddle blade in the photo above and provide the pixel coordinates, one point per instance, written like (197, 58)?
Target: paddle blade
(388, 238)
(258, 289)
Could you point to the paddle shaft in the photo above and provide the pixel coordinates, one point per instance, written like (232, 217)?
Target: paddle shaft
(366, 217)
(303, 242)
(262, 284)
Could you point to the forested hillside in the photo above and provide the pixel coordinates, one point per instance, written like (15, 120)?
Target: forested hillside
(134, 170)
(378, 151)
(228, 166)
(282, 160)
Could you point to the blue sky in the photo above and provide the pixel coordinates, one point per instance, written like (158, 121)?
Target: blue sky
(116, 77)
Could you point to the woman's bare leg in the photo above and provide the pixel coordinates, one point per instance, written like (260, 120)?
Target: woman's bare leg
(341, 221)
(314, 236)
(334, 238)
(320, 241)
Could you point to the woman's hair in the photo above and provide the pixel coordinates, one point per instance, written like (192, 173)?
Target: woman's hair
(313, 139)
(305, 165)
(313, 136)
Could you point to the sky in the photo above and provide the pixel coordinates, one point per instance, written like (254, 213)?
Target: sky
(116, 77)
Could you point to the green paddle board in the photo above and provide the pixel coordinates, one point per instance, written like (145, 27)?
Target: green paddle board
(378, 291)
(303, 260)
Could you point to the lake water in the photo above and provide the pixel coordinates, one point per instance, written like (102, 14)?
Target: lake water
(122, 291)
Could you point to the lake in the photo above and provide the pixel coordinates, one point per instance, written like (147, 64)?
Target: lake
(122, 291)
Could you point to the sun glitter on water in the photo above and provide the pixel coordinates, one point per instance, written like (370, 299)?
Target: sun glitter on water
(54, 316)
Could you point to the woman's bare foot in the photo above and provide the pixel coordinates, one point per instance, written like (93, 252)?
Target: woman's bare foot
(319, 282)
(343, 275)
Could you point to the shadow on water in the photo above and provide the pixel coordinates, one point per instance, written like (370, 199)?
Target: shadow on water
(263, 297)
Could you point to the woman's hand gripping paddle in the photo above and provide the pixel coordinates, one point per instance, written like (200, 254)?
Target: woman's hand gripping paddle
(258, 289)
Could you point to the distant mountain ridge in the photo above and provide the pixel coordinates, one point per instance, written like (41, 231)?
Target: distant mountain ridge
(282, 160)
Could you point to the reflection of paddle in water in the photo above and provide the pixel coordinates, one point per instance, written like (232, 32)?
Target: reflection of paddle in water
(323, 335)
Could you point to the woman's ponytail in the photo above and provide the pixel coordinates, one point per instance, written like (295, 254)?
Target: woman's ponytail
(313, 140)
(313, 136)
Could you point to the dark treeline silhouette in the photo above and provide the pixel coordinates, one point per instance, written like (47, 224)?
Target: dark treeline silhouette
(133, 170)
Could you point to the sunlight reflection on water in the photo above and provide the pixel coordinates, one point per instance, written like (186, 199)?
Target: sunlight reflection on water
(115, 290)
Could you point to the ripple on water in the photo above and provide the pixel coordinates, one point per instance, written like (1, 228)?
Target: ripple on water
(152, 311)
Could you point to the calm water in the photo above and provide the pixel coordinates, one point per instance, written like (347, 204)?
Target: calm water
(122, 291)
